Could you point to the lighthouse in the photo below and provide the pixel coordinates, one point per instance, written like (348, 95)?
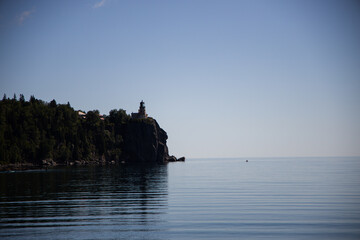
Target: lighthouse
(141, 114)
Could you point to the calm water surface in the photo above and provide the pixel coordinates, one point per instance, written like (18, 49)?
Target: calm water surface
(269, 198)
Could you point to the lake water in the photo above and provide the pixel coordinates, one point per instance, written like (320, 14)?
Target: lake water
(265, 198)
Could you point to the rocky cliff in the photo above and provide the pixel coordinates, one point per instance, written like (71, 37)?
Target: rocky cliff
(55, 134)
(144, 142)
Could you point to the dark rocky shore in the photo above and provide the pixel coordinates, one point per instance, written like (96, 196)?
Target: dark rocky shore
(144, 143)
(37, 134)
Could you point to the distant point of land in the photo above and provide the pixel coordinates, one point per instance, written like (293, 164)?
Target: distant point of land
(37, 133)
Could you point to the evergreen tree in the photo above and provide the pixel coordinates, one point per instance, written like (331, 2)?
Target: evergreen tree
(33, 130)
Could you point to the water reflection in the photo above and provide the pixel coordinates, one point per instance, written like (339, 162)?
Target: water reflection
(98, 202)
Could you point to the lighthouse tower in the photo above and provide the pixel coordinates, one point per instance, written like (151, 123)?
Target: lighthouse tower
(141, 114)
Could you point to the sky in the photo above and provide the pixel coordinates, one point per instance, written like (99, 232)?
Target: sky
(257, 78)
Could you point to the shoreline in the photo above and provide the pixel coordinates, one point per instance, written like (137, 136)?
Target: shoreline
(13, 167)
(18, 167)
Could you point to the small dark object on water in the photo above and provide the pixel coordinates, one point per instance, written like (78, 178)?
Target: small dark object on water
(247, 160)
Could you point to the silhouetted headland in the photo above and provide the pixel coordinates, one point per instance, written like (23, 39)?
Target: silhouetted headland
(37, 134)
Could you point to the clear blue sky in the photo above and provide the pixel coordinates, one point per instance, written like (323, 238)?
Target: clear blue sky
(223, 78)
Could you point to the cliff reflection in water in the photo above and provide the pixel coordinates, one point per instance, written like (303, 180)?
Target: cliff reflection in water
(99, 202)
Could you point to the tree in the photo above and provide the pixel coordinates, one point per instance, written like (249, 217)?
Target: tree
(32, 99)
(34, 130)
(53, 104)
(22, 98)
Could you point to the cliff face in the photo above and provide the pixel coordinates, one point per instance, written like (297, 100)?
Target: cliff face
(144, 142)
(55, 134)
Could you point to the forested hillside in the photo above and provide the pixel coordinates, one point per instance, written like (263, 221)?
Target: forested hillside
(33, 130)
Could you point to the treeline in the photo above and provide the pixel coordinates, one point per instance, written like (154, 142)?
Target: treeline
(33, 130)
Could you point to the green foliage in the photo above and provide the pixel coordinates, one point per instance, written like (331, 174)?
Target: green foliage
(33, 130)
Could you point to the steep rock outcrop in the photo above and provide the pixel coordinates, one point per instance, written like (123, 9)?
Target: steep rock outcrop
(144, 142)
